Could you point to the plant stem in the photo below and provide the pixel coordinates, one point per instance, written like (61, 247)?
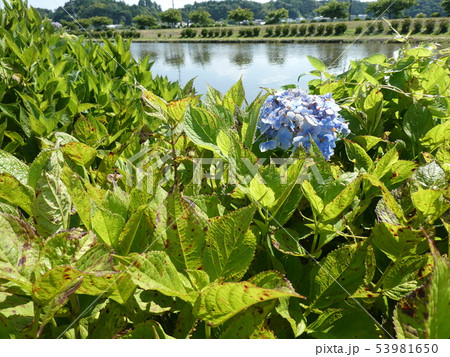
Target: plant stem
(380, 281)
(207, 331)
(35, 326)
(75, 303)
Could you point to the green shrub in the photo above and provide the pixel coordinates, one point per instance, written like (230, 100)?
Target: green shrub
(406, 25)
(230, 32)
(210, 33)
(285, 30)
(417, 26)
(442, 27)
(204, 33)
(394, 26)
(320, 29)
(269, 31)
(311, 29)
(278, 31)
(256, 31)
(223, 33)
(435, 14)
(329, 30)
(249, 32)
(429, 26)
(421, 15)
(302, 30)
(294, 30)
(380, 27)
(370, 29)
(358, 29)
(242, 32)
(340, 28)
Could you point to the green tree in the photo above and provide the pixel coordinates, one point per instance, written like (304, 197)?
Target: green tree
(241, 14)
(144, 21)
(275, 17)
(394, 8)
(201, 17)
(171, 16)
(101, 21)
(334, 9)
(446, 6)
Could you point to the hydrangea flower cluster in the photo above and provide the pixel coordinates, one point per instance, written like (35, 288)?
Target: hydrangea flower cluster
(290, 117)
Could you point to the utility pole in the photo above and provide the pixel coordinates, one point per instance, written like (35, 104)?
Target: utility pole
(350, 10)
(173, 6)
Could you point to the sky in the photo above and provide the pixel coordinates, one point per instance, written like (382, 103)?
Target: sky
(165, 4)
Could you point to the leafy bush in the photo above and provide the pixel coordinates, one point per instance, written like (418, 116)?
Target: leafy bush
(302, 30)
(370, 29)
(285, 30)
(417, 26)
(256, 31)
(421, 15)
(311, 29)
(242, 32)
(442, 27)
(429, 26)
(358, 29)
(329, 30)
(269, 31)
(188, 33)
(294, 30)
(230, 32)
(435, 14)
(406, 25)
(320, 29)
(278, 31)
(394, 26)
(340, 28)
(204, 33)
(380, 27)
(109, 230)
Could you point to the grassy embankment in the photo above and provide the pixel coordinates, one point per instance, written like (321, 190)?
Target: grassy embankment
(222, 34)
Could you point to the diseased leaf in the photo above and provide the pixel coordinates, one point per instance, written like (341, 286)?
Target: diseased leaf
(155, 271)
(341, 273)
(79, 153)
(431, 176)
(425, 312)
(9, 164)
(106, 224)
(16, 193)
(51, 206)
(358, 156)
(19, 251)
(431, 204)
(220, 302)
(230, 245)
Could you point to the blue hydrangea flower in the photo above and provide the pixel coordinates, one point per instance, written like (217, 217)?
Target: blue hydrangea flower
(291, 118)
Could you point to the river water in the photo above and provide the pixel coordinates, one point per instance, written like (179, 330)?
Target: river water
(260, 65)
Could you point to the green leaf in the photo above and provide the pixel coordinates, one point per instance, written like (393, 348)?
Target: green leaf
(19, 251)
(148, 329)
(286, 241)
(220, 302)
(425, 313)
(202, 127)
(155, 271)
(261, 192)
(9, 164)
(131, 229)
(436, 136)
(177, 108)
(106, 224)
(344, 199)
(373, 108)
(398, 241)
(247, 322)
(230, 245)
(406, 275)
(183, 231)
(431, 204)
(341, 273)
(114, 286)
(51, 206)
(79, 153)
(234, 97)
(351, 323)
(414, 127)
(431, 176)
(384, 165)
(358, 156)
(367, 142)
(314, 200)
(317, 63)
(16, 193)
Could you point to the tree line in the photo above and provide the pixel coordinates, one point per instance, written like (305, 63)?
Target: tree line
(149, 14)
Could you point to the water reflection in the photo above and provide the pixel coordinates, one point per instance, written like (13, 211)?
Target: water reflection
(241, 55)
(200, 54)
(276, 54)
(260, 65)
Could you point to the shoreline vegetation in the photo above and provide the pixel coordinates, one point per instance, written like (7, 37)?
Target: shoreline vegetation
(319, 32)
